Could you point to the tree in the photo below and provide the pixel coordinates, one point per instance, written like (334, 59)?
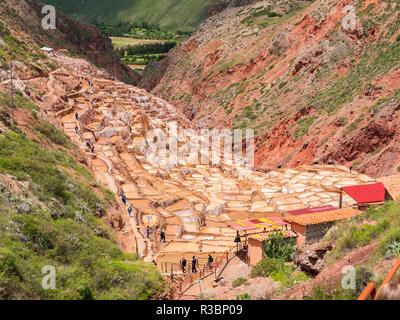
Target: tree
(278, 247)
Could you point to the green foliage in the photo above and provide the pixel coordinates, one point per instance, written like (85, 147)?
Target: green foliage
(60, 228)
(19, 101)
(267, 266)
(321, 293)
(282, 84)
(288, 277)
(303, 125)
(383, 225)
(136, 30)
(142, 54)
(277, 270)
(147, 48)
(364, 275)
(360, 236)
(171, 15)
(239, 282)
(390, 244)
(244, 296)
(276, 246)
(55, 136)
(264, 17)
(377, 60)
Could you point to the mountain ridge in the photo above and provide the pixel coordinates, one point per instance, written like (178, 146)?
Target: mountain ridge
(314, 93)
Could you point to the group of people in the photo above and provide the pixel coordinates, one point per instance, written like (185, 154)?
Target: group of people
(91, 147)
(130, 210)
(195, 263)
(125, 201)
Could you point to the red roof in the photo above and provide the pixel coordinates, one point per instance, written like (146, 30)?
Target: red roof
(311, 210)
(367, 193)
(278, 221)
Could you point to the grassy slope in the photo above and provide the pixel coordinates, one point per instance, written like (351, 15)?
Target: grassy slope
(172, 15)
(54, 219)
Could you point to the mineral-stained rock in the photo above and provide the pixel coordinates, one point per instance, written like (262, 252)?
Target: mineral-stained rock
(310, 259)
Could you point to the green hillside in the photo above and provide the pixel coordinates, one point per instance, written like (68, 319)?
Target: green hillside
(171, 15)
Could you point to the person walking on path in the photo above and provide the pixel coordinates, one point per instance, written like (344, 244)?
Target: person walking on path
(148, 232)
(183, 264)
(76, 116)
(76, 130)
(123, 199)
(210, 261)
(162, 236)
(194, 262)
(130, 212)
(245, 252)
(92, 149)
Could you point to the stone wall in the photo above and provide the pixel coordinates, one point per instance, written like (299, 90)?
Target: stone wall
(316, 232)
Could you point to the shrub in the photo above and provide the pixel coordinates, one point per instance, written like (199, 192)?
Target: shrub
(267, 266)
(303, 125)
(364, 276)
(288, 278)
(239, 282)
(319, 292)
(278, 247)
(244, 296)
(390, 243)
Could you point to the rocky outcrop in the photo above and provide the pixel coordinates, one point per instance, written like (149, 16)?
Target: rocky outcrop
(310, 259)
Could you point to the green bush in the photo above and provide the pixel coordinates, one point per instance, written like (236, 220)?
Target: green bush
(303, 126)
(364, 275)
(267, 266)
(389, 245)
(239, 282)
(319, 292)
(244, 296)
(282, 84)
(288, 278)
(276, 246)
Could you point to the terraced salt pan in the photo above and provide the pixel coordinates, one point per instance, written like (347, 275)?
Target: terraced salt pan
(213, 189)
(175, 246)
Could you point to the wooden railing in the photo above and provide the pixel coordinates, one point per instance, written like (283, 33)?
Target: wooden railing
(178, 291)
(371, 290)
